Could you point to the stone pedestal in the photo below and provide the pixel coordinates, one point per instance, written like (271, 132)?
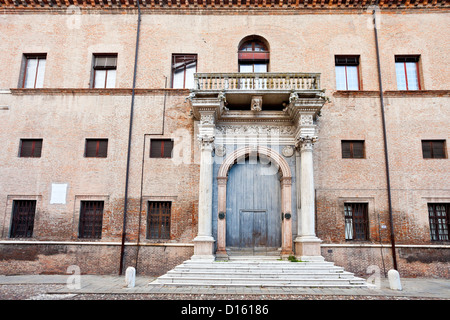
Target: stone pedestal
(203, 248)
(308, 248)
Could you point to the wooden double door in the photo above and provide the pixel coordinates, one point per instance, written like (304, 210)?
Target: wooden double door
(253, 205)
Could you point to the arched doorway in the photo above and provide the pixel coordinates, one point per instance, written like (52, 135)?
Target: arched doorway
(254, 205)
(257, 217)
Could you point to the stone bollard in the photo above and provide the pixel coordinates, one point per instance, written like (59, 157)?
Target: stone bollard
(394, 280)
(130, 277)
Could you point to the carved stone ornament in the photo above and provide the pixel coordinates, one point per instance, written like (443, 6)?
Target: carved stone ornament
(293, 97)
(256, 103)
(306, 120)
(207, 119)
(255, 129)
(288, 151)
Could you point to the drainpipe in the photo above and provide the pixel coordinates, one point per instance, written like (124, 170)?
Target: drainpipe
(125, 205)
(394, 256)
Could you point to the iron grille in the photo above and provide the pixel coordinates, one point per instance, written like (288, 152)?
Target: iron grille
(158, 219)
(439, 221)
(23, 218)
(91, 218)
(356, 221)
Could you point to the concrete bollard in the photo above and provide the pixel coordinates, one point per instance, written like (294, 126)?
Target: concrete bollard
(394, 280)
(130, 277)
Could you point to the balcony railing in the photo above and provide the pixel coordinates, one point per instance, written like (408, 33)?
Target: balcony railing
(257, 81)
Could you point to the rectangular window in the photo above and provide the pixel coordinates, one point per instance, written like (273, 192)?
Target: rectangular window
(407, 71)
(352, 149)
(23, 218)
(96, 148)
(105, 66)
(347, 72)
(30, 148)
(439, 221)
(91, 218)
(183, 68)
(33, 71)
(356, 221)
(158, 219)
(434, 149)
(161, 148)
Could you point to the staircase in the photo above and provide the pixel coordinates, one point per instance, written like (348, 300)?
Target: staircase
(260, 271)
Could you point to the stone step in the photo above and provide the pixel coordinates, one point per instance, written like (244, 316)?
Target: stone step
(200, 281)
(243, 269)
(251, 263)
(263, 272)
(260, 275)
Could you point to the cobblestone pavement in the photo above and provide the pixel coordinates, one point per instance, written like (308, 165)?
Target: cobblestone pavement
(61, 287)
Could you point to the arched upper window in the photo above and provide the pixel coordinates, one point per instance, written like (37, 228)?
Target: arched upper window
(253, 55)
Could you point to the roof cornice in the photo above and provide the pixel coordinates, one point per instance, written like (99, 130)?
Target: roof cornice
(223, 6)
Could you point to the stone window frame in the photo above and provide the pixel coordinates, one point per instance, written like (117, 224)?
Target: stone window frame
(9, 212)
(77, 210)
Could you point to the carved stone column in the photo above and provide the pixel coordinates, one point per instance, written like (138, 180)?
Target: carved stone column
(204, 242)
(307, 245)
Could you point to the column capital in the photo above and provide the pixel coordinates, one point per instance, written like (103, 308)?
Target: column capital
(306, 143)
(222, 181)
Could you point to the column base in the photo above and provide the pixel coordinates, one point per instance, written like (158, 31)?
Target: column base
(307, 248)
(203, 248)
(222, 255)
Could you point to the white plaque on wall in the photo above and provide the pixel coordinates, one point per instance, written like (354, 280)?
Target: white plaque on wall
(59, 191)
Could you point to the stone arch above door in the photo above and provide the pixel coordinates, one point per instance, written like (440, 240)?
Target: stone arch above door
(242, 152)
(286, 197)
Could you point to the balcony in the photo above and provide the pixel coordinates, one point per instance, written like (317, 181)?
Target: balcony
(257, 81)
(240, 88)
(242, 96)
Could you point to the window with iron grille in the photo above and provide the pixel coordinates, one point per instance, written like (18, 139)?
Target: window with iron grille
(407, 72)
(91, 219)
(158, 219)
(104, 73)
(439, 221)
(352, 149)
(30, 148)
(356, 221)
(433, 149)
(161, 148)
(347, 72)
(23, 218)
(33, 71)
(96, 148)
(183, 68)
